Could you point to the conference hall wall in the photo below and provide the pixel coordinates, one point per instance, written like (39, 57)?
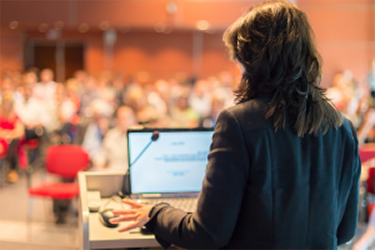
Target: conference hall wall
(344, 32)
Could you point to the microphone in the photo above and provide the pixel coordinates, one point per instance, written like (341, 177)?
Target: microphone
(126, 187)
(154, 137)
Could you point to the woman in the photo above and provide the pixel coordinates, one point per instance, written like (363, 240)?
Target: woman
(11, 129)
(283, 167)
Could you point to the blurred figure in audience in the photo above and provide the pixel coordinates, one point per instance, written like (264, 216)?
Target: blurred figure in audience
(11, 130)
(175, 87)
(94, 131)
(137, 100)
(17, 79)
(200, 99)
(90, 93)
(16, 84)
(6, 85)
(182, 114)
(119, 89)
(368, 237)
(64, 110)
(157, 96)
(45, 90)
(32, 113)
(112, 155)
(71, 88)
(343, 93)
(227, 87)
(366, 133)
(162, 87)
(105, 90)
(217, 105)
(81, 76)
(29, 77)
(371, 80)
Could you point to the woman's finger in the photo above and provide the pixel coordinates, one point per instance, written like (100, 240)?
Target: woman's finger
(132, 203)
(129, 226)
(124, 218)
(123, 212)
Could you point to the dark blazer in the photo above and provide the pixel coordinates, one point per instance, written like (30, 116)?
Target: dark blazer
(269, 190)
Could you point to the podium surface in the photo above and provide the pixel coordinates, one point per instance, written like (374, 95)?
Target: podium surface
(94, 235)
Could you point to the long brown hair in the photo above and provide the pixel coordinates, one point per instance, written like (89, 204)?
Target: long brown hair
(274, 43)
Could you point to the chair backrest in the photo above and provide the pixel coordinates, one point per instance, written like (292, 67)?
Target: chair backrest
(66, 160)
(367, 152)
(370, 181)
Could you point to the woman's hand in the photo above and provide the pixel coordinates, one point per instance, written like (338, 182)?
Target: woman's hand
(139, 215)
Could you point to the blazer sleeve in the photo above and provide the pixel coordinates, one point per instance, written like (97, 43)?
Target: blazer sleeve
(213, 222)
(348, 224)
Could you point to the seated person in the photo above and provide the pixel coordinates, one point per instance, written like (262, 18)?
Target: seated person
(112, 155)
(31, 112)
(369, 237)
(182, 114)
(94, 131)
(11, 129)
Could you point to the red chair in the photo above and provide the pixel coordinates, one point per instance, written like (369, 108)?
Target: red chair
(65, 161)
(367, 153)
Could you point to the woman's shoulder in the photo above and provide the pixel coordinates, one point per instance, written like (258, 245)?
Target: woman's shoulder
(348, 128)
(249, 113)
(253, 108)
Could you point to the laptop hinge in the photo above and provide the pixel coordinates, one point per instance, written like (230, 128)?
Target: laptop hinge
(150, 195)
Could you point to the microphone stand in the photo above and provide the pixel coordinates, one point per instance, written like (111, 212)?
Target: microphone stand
(154, 137)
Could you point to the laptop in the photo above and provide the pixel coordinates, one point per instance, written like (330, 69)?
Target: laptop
(167, 164)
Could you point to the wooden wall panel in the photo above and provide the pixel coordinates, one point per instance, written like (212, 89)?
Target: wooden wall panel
(94, 58)
(345, 33)
(162, 55)
(31, 12)
(214, 58)
(356, 58)
(11, 50)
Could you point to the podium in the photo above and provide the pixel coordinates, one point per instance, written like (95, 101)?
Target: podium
(93, 234)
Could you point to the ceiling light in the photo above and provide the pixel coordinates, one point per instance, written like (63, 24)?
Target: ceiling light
(43, 27)
(13, 25)
(59, 25)
(159, 27)
(203, 25)
(104, 25)
(171, 8)
(83, 27)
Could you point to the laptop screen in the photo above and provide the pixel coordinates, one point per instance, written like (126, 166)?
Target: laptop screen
(168, 160)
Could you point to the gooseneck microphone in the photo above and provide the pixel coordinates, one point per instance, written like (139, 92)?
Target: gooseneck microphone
(154, 137)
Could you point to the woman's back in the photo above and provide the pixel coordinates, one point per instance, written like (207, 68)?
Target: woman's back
(297, 188)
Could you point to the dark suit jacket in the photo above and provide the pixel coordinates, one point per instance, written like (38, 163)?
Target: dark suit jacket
(269, 190)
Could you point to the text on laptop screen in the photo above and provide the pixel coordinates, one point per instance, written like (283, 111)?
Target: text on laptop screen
(174, 162)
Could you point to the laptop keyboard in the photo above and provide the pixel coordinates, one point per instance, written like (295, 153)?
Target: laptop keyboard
(187, 204)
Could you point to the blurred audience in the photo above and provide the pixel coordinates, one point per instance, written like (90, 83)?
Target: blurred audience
(96, 112)
(112, 155)
(83, 108)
